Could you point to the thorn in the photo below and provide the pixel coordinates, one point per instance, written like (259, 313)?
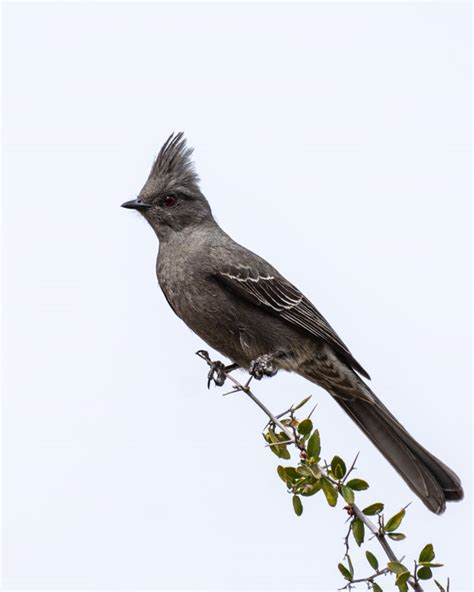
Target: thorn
(236, 390)
(279, 443)
(311, 412)
(284, 413)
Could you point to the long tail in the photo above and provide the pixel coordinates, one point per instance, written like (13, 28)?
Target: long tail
(432, 481)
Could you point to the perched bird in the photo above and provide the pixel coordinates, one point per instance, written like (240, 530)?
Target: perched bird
(244, 308)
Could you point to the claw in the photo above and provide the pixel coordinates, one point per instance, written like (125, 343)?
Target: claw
(202, 353)
(218, 371)
(263, 366)
(216, 374)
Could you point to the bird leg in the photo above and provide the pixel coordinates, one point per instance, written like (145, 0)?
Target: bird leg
(265, 365)
(218, 371)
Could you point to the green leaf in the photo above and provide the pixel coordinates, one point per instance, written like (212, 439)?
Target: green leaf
(301, 403)
(372, 560)
(291, 473)
(338, 467)
(273, 439)
(402, 574)
(395, 521)
(373, 509)
(345, 572)
(304, 470)
(396, 567)
(429, 564)
(427, 553)
(347, 494)
(357, 484)
(440, 587)
(376, 587)
(397, 536)
(402, 578)
(310, 489)
(297, 505)
(358, 530)
(281, 452)
(314, 446)
(305, 427)
(329, 491)
(282, 473)
(424, 573)
(401, 581)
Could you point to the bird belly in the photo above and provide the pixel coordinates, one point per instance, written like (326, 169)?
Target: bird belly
(239, 330)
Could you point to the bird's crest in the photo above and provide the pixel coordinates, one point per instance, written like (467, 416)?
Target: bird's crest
(174, 168)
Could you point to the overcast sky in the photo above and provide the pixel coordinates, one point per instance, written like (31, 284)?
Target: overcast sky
(333, 139)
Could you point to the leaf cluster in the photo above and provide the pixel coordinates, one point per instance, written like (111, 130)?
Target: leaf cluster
(307, 478)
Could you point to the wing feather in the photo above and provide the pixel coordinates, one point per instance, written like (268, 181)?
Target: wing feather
(280, 297)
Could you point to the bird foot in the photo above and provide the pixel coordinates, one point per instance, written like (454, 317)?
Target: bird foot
(218, 371)
(263, 366)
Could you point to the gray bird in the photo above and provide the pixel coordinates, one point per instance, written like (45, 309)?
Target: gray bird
(245, 309)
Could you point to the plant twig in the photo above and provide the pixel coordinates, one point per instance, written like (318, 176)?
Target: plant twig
(382, 572)
(378, 534)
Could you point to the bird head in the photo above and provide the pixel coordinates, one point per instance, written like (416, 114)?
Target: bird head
(171, 199)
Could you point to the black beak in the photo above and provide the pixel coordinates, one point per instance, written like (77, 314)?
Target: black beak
(135, 204)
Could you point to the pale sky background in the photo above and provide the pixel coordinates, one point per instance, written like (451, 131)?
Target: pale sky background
(333, 139)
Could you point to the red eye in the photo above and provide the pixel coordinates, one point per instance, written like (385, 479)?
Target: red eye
(170, 201)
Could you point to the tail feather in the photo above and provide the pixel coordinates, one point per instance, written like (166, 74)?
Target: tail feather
(432, 481)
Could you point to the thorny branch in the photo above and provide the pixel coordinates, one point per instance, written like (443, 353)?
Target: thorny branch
(382, 572)
(292, 438)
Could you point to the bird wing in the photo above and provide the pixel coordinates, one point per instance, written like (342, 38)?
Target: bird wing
(281, 298)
